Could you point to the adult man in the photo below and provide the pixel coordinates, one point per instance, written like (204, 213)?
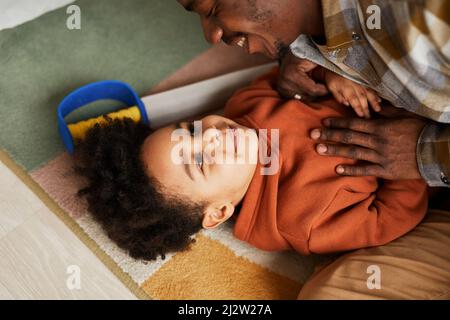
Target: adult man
(406, 62)
(416, 265)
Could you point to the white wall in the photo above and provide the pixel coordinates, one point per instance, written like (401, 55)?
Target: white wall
(16, 12)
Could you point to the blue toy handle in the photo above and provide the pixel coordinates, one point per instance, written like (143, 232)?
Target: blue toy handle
(109, 89)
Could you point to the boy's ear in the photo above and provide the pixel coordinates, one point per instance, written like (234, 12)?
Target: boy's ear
(215, 215)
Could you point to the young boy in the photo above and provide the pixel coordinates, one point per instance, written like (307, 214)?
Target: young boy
(151, 203)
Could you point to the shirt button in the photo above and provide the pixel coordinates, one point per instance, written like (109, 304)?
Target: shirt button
(356, 36)
(445, 179)
(334, 53)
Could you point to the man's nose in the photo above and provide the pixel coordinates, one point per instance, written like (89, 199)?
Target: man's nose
(213, 33)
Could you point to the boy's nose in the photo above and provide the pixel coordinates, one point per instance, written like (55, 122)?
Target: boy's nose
(212, 138)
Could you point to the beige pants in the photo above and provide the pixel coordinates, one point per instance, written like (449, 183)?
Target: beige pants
(416, 266)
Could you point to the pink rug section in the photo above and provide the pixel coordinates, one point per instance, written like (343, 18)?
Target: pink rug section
(61, 183)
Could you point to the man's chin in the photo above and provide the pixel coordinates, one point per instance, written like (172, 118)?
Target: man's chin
(277, 50)
(268, 54)
(273, 56)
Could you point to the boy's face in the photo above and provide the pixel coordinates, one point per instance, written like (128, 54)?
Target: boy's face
(218, 161)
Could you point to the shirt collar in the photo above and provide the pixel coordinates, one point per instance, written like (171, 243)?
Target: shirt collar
(341, 22)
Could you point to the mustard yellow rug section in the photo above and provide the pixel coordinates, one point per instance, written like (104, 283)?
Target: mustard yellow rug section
(210, 270)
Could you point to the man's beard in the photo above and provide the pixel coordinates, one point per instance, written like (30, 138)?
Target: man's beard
(282, 50)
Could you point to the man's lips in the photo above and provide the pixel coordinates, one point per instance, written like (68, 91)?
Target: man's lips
(270, 53)
(244, 44)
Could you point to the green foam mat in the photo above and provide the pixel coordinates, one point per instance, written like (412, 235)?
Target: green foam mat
(137, 41)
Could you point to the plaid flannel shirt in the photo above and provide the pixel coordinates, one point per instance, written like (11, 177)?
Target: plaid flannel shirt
(406, 60)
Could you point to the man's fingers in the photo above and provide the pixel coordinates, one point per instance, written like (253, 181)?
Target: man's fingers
(368, 170)
(310, 87)
(306, 66)
(347, 136)
(351, 152)
(287, 88)
(320, 90)
(285, 92)
(294, 79)
(300, 84)
(289, 92)
(361, 125)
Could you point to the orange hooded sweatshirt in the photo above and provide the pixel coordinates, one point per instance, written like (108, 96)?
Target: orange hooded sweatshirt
(305, 206)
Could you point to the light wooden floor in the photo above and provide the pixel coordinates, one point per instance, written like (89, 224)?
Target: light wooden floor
(36, 250)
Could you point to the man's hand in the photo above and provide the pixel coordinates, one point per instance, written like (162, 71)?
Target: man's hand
(294, 79)
(387, 145)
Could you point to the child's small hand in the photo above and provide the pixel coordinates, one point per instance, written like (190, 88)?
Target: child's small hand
(352, 94)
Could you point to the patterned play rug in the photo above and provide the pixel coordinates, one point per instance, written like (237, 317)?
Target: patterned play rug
(141, 42)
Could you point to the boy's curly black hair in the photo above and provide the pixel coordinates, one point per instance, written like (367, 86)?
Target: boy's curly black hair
(131, 206)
